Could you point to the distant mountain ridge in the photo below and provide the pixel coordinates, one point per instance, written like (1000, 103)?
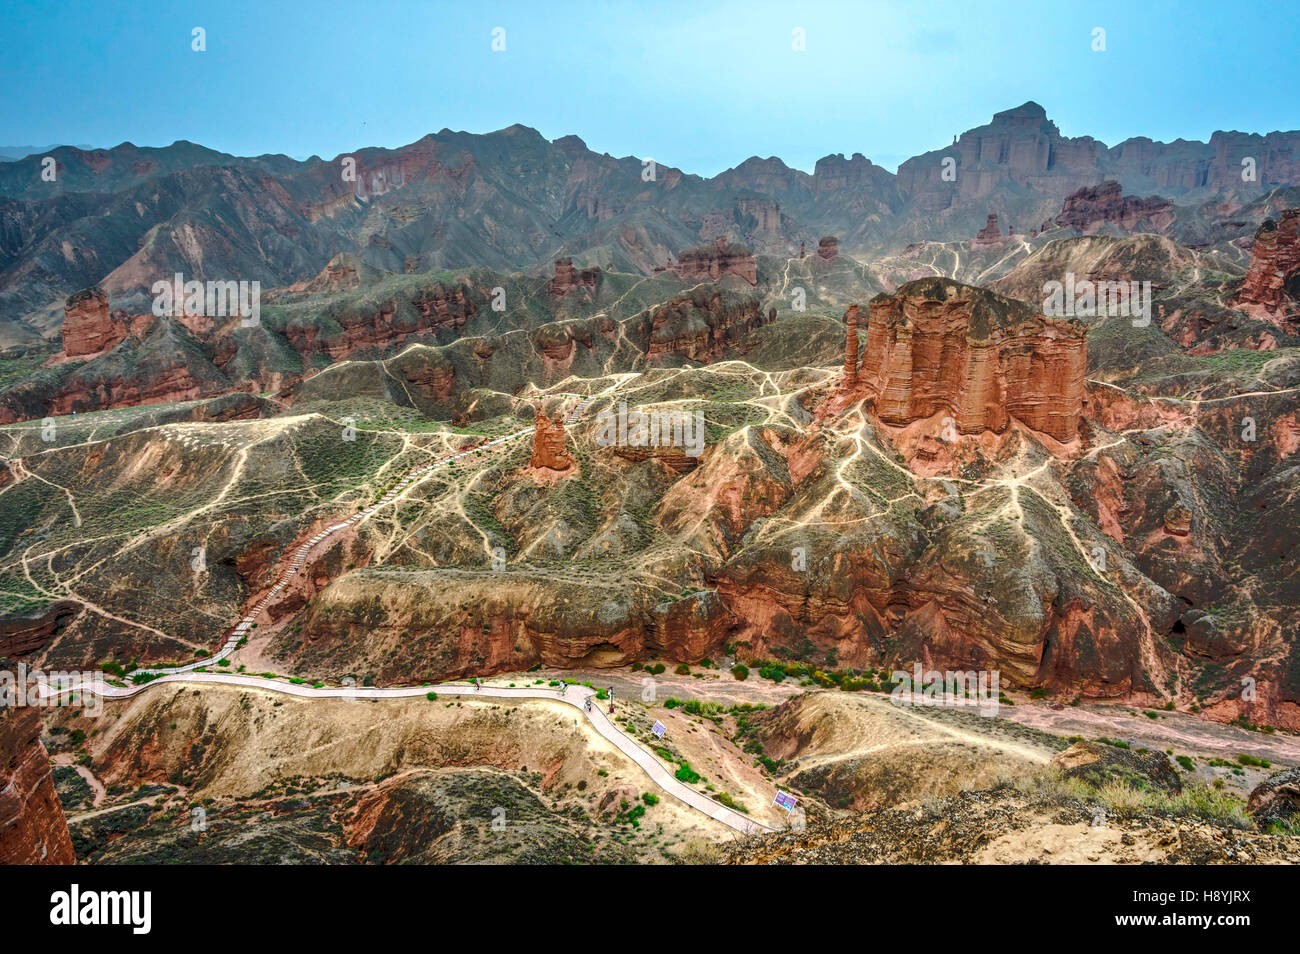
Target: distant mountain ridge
(512, 200)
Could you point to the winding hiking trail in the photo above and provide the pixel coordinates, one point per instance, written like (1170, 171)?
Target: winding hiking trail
(574, 696)
(299, 559)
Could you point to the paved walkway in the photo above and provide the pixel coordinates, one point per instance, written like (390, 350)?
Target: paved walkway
(573, 696)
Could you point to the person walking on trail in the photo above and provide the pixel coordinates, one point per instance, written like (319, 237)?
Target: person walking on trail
(587, 705)
(563, 685)
(478, 683)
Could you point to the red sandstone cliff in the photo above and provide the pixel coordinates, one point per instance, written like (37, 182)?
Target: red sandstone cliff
(32, 827)
(936, 345)
(990, 234)
(90, 329)
(567, 278)
(1092, 208)
(550, 451)
(701, 325)
(713, 261)
(1273, 280)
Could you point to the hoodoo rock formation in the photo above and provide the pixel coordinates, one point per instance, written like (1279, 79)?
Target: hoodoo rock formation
(711, 262)
(32, 827)
(550, 450)
(990, 234)
(828, 247)
(1092, 208)
(567, 278)
(851, 349)
(936, 344)
(1273, 280)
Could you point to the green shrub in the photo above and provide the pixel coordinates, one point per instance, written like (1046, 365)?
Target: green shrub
(687, 774)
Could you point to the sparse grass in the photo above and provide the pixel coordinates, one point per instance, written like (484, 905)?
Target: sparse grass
(1199, 801)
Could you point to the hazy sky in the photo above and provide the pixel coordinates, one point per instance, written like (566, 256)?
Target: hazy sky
(698, 85)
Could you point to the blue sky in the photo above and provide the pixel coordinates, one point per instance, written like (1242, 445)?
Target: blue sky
(699, 85)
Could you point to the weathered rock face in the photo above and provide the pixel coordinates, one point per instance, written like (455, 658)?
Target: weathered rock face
(567, 278)
(549, 448)
(22, 635)
(671, 457)
(828, 247)
(1273, 280)
(713, 261)
(990, 234)
(32, 827)
(1092, 208)
(758, 216)
(432, 310)
(1020, 146)
(851, 349)
(1276, 799)
(89, 328)
(701, 325)
(939, 345)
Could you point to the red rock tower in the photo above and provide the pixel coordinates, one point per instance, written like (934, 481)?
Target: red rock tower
(550, 450)
(851, 349)
(1274, 263)
(88, 328)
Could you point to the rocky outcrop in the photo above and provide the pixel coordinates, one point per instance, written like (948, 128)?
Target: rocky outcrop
(851, 349)
(990, 234)
(938, 345)
(23, 635)
(32, 827)
(431, 310)
(671, 457)
(1021, 148)
(828, 247)
(1276, 799)
(701, 325)
(1098, 764)
(90, 329)
(711, 262)
(550, 450)
(1093, 208)
(758, 216)
(343, 273)
(1273, 280)
(567, 278)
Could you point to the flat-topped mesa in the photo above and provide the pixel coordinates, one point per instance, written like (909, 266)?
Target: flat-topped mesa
(1273, 279)
(550, 449)
(567, 278)
(938, 345)
(851, 349)
(1094, 207)
(990, 234)
(828, 247)
(713, 261)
